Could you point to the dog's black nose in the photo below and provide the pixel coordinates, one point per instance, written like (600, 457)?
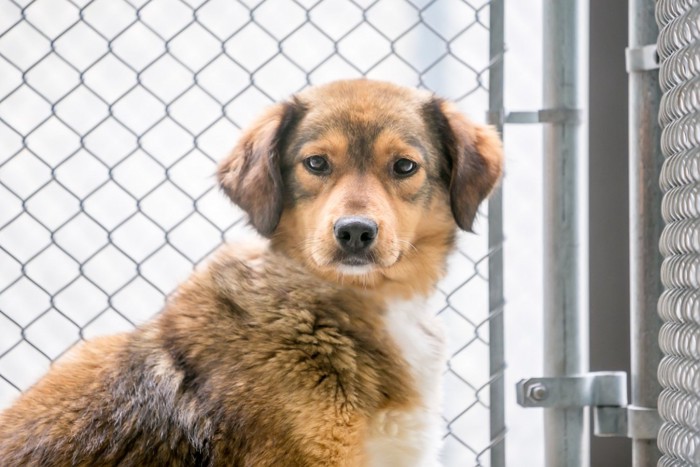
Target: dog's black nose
(355, 234)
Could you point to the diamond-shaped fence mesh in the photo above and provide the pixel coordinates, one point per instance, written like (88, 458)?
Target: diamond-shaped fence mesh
(113, 114)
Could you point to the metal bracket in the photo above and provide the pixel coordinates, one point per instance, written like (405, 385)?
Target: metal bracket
(631, 422)
(606, 392)
(641, 58)
(561, 115)
(592, 389)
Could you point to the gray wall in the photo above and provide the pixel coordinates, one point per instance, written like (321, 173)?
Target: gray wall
(609, 246)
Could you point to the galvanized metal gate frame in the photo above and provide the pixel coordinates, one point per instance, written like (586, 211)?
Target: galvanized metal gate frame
(496, 300)
(568, 387)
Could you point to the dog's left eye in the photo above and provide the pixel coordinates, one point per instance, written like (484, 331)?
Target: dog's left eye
(317, 164)
(405, 167)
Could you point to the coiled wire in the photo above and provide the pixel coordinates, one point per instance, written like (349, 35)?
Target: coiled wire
(679, 306)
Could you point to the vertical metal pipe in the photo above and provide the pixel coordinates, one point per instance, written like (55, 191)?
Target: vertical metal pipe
(646, 224)
(496, 347)
(566, 221)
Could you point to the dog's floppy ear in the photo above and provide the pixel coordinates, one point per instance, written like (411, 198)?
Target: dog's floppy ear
(474, 155)
(251, 175)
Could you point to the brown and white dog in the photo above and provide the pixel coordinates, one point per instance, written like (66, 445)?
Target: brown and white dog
(314, 349)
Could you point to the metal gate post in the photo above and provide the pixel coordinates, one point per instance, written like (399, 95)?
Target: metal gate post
(646, 223)
(496, 345)
(566, 213)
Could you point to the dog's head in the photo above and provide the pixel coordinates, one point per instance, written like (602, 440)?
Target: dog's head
(365, 182)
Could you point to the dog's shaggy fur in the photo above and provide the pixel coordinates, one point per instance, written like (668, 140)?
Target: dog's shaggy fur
(302, 351)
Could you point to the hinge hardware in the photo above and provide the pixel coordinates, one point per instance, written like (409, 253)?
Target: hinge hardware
(605, 392)
(644, 58)
(560, 115)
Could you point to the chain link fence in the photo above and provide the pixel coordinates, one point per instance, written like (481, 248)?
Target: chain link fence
(679, 305)
(113, 114)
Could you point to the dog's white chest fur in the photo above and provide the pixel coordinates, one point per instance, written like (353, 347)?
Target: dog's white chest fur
(412, 437)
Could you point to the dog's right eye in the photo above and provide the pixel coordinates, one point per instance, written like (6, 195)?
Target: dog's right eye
(317, 165)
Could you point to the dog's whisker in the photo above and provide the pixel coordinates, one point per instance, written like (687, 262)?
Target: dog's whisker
(408, 243)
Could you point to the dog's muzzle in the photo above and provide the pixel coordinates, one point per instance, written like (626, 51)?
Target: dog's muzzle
(355, 236)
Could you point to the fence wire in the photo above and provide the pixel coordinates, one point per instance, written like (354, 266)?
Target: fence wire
(113, 114)
(679, 338)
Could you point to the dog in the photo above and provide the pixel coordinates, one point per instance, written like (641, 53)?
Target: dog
(312, 348)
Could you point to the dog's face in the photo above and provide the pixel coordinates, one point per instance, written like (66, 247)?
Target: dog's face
(364, 182)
